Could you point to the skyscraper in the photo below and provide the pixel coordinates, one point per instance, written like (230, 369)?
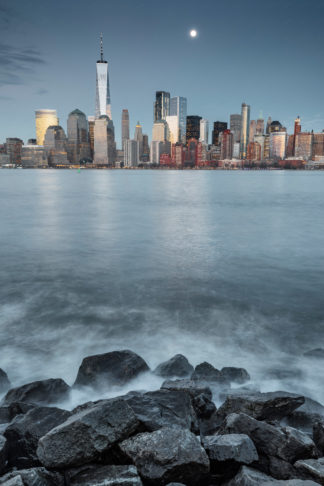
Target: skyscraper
(297, 129)
(173, 128)
(55, 144)
(252, 130)
(125, 126)
(160, 131)
(204, 128)
(78, 137)
(104, 142)
(131, 153)
(278, 144)
(245, 114)
(227, 145)
(193, 127)
(161, 105)
(219, 127)
(259, 126)
(235, 126)
(138, 137)
(44, 119)
(13, 149)
(103, 104)
(178, 107)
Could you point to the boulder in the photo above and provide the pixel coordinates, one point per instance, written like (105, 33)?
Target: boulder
(87, 436)
(318, 435)
(203, 406)
(262, 406)
(95, 475)
(32, 477)
(230, 447)
(302, 420)
(194, 388)
(206, 372)
(114, 368)
(234, 375)
(9, 412)
(312, 469)
(178, 366)
(3, 453)
(251, 477)
(25, 430)
(4, 381)
(166, 455)
(315, 353)
(39, 392)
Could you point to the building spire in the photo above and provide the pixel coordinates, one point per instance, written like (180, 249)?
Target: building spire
(101, 48)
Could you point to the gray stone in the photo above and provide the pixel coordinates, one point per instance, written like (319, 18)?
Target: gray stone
(96, 475)
(114, 368)
(39, 392)
(3, 453)
(230, 447)
(194, 388)
(4, 381)
(312, 469)
(166, 455)
(88, 435)
(251, 477)
(9, 412)
(318, 436)
(235, 375)
(32, 477)
(178, 366)
(206, 372)
(204, 406)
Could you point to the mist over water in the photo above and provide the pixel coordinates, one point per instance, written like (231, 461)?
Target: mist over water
(225, 267)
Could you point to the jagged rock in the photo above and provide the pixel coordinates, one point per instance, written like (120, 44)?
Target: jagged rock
(315, 353)
(285, 443)
(235, 375)
(312, 406)
(231, 447)
(3, 453)
(166, 455)
(4, 381)
(88, 435)
(302, 420)
(312, 469)
(209, 426)
(32, 477)
(114, 368)
(194, 388)
(203, 406)
(178, 366)
(95, 475)
(206, 372)
(251, 477)
(163, 408)
(318, 435)
(9, 412)
(39, 392)
(24, 432)
(262, 406)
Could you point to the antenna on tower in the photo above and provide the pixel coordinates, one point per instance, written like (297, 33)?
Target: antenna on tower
(101, 48)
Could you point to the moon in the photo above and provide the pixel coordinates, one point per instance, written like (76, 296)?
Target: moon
(193, 33)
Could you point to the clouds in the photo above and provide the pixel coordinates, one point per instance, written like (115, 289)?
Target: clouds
(17, 65)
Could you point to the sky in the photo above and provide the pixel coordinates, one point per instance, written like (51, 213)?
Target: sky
(268, 54)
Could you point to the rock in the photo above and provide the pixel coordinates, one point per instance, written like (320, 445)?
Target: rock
(251, 477)
(262, 406)
(163, 408)
(312, 406)
(32, 477)
(3, 453)
(88, 435)
(176, 484)
(312, 469)
(114, 368)
(9, 412)
(166, 455)
(203, 406)
(235, 375)
(4, 381)
(95, 475)
(24, 432)
(194, 388)
(231, 447)
(210, 426)
(318, 436)
(315, 353)
(206, 372)
(302, 420)
(39, 392)
(178, 366)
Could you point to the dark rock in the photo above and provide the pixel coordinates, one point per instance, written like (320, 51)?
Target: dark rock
(318, 436)
(32, 477)
(178, 366)
(3, 453)
(231, 447)
(4, 381)
(88, 435)
(176, 484)
(312, 469)
(24, 432)
(115, 368)
(163, 408)
(206, 372)
(166, 455)
(235, 375)
(315, 353)
(209, 426)
(262, 406)
(302, 420)
(312, 406)
(95, 475)
(194, 388)
(251, 477)
(39, 392)
(203, 406)
(9, 412)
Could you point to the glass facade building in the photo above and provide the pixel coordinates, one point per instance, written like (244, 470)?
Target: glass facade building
(44, 119)
(78, 137)
(103, 103)
(204, 129)
(125, 127)
(178, 107)
(193, 127)
(245, 124)
(219, 127)
(161, 105)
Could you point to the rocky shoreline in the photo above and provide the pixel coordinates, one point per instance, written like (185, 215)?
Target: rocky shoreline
(171, 436)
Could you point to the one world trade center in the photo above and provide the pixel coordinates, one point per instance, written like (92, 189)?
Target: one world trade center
(103, 106)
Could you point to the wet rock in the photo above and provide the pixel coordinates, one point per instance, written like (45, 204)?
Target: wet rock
(88, 435)
(178, 366)
(231, 447)
(318, 436)
(302, 420)
(235, 375)
(95, 475)
(211, 425)
(194, 388)
(166, 455)
(312, 469)
(24, 432)
(312, 406)
(32, 477)
(262, 406)
(203, 406)
(315, 353)
(4, 381)
(39, 392)
(9, 412)
(250, 477)
(206, 372)
(3, 453)
(114, 368)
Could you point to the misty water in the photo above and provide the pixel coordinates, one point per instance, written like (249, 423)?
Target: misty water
(225, 267)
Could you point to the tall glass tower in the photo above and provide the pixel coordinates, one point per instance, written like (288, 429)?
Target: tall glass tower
(178, 107)
(245, 123)
(161, 105)
(103, 104)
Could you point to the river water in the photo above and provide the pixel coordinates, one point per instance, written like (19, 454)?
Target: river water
(225, 267)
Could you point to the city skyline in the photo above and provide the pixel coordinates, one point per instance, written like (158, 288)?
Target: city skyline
(42, 67)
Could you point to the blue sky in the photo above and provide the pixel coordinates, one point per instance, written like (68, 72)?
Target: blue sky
(267, 54)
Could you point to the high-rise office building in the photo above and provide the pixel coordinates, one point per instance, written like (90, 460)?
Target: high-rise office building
(235, 126)
(178, 107)
(103, 103)
(193, 127)
(160, 131)
(226, 145)
(253, 152)
(276, 126)
(252, 130)
(297, 129)
(55, 145)
(138, 136)
(44, 119)
(91, 124)
(269, 121)
(13, 149)
(173, 128)
(304, 145)
(318, 144)
(131, 153)
(146, 149)
(260, 139)
(278, 144)
(177, 154)
(125, 126)
(33, 156)
(219, 127)
(204, 129)
(104, 141)
(161, 105)
(78, 137)
(245, 114)
(259, 126)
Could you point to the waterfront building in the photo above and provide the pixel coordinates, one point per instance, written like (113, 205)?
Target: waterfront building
(178, 107)
(173, 128)
(290, 146)
(158, 148)
(160, 131)
(236, 150)
(278, 144)
(260, 139)
(131, 153)
(146, 149)
(304, 145)
(78, 137)
(4, 159)
(103, 103)
(44, 119)
(104, 141)
(259, 129)
(252, 130)
(125, 126)
(254, 152)
(193, 127)
(226, 145)
(177, 154)
(33, 156)
(269, 121)
(235, 126)
(318, 144)
(297, 129)
(266, 150)
(276, 126)
(161, 105)
(91, 124)
(244, 139)
(204, 129)
(55, 145)
(32, 141)
(138, 136)
(13, 149)
(219, 127)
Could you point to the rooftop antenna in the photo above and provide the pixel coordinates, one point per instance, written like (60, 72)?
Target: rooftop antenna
(101, 48)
